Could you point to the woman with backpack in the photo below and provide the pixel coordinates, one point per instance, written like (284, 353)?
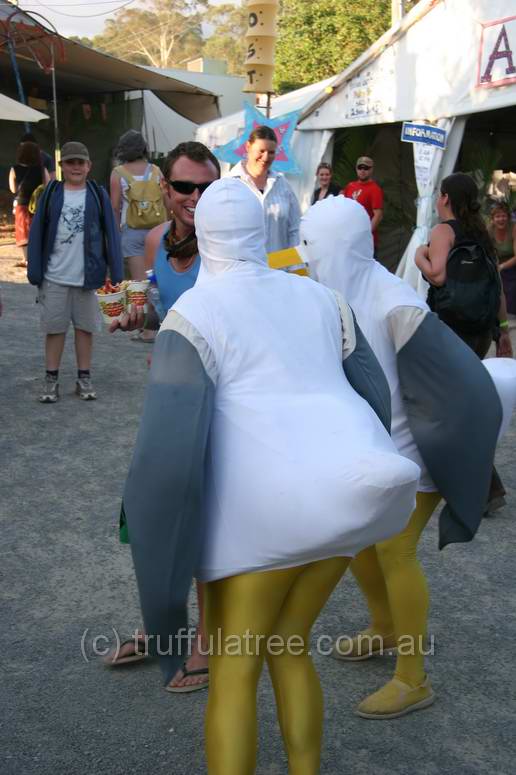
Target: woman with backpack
(137, 199)
(24, 178)
(461, 223)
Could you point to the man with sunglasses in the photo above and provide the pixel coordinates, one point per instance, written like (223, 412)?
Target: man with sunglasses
(368, 193)
(171, 251)
(171, 247)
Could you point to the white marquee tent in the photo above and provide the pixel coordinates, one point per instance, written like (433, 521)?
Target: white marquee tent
(445, 60)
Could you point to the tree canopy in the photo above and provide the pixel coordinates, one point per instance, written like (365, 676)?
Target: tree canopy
(162, 34)
(319, 38)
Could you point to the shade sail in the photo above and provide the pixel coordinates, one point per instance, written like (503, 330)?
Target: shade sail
(83, 71)
(11, 110)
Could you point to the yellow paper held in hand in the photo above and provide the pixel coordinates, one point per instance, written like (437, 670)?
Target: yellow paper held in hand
(289, 259)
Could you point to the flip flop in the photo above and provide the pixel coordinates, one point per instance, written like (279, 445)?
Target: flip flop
(192, 687)
(139, 337)
(136, 656)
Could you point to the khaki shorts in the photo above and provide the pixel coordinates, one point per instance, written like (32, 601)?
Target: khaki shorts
(61, 305)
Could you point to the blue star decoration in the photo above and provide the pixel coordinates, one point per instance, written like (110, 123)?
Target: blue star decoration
(282, 126)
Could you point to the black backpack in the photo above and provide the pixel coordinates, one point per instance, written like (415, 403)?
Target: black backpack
(470, 298)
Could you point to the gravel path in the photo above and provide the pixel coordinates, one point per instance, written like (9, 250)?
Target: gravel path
(66, 580)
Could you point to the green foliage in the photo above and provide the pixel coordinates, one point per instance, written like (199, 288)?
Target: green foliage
(319, 38)
(227, 41)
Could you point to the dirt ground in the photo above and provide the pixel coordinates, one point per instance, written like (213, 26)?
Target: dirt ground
(67, 589)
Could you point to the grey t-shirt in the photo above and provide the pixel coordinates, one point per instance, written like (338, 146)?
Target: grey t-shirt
(66, 263)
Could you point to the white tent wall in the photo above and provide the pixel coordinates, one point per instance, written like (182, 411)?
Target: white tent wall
(432, 71)
(165, 128)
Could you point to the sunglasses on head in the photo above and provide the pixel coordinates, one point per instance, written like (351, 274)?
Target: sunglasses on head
(188, 187)
(363, 167)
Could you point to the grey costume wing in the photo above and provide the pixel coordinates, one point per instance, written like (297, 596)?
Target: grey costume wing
(361, 366)
(454, 413)
(163, 492)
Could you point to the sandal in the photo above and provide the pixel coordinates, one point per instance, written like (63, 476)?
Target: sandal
(112, 659)
(191, 687)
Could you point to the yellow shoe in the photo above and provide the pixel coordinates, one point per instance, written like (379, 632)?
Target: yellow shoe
(396, 699)
(365, 645)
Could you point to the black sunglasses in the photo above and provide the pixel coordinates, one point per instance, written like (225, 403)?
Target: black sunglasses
(363, 167)
(188, 187)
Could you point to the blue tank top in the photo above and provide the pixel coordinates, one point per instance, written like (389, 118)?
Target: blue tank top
(172, 284)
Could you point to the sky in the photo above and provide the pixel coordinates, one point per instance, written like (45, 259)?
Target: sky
(78, 17)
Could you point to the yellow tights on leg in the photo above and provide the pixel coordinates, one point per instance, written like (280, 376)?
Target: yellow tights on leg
(396, 590)
(242, 613)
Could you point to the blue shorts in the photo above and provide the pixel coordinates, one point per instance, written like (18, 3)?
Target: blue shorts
(133, 241)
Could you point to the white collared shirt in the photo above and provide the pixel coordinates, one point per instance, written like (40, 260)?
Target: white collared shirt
(280, 206)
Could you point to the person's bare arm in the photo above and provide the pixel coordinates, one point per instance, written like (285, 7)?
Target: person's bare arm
(503, 344)
(510, 261)
(152, 241)
(12, 181)
(433, 263)
(115, 194)
(375, 220)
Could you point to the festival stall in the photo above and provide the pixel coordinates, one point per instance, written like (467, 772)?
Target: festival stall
(448, 65)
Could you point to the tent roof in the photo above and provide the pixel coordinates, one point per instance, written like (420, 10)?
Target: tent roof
(222, 130)
(85, 71)
(11, 110)
(426, 67)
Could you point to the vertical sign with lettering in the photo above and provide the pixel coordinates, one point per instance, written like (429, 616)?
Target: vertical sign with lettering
(261, 40)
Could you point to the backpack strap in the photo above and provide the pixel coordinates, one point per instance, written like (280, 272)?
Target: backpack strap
(121, 172)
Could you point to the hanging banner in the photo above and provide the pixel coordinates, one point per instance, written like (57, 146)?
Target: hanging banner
(283, 127)
(423, 133)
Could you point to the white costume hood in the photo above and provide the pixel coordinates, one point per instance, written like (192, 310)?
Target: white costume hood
(229, 227)
(337, 242)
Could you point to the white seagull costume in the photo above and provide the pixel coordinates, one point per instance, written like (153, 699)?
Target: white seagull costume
(263, 442)
(446, 411)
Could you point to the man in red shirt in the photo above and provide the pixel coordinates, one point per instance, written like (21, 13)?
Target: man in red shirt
(366, 191)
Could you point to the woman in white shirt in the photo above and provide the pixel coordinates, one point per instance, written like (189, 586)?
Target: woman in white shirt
(280, 205)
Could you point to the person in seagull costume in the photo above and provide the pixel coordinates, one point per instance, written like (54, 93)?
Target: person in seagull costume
(446, 417)
(262, 465)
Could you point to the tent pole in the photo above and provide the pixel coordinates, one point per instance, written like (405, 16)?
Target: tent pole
(19, 85)
(268, 108)
(57, 145)
(145, 128)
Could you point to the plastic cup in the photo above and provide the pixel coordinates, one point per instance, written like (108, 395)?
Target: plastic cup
(112, 305)
(137, 294)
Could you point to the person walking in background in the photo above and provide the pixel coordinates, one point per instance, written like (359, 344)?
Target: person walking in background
(280, 205)
(47, 161)
(326, 187)
(368, 193)
(137, 200)
(135, 168)
(503, 233)
(27, 174)
(72, 244)
(459, 211)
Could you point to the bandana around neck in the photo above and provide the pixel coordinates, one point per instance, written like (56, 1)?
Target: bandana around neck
(180, 248)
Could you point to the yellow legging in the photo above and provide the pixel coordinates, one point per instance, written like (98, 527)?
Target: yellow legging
(283, 603)
(396, 590)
